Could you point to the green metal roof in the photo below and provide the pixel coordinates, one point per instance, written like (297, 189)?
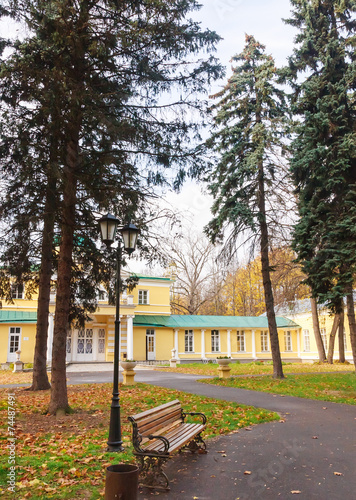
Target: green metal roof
(18, 317)
(155, 278)
(192, 321)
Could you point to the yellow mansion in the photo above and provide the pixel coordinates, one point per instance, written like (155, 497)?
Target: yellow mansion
(149, 332)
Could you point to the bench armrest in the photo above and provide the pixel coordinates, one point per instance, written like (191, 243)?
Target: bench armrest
(184, 414)
(164, 441)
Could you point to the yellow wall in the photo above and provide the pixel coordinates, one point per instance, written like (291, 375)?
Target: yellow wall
(4, 340)
(158, 296)
(27, 347)
(305, 321)
(139, 344)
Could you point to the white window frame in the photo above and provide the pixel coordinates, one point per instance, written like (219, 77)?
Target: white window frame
(306, 341)
(241, 341)
(264, 341)
(101, 340)
(288, 341)
(15, 291)
(103, 293)
(151, 355)
(143, 297)
(15, 330)
(324, 338)
(215, 340)
(189, 341)
(69, 346)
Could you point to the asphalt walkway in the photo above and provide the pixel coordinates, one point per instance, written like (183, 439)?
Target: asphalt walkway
(309, 454)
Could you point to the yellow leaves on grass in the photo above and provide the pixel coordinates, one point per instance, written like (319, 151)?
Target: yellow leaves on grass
(71, 452)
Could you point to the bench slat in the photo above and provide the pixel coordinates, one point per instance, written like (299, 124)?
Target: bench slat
(161, 431)
(177, 437)
(150, 426)
(146, 413)
(184, 434)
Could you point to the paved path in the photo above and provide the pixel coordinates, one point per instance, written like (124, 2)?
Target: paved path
(302, 453)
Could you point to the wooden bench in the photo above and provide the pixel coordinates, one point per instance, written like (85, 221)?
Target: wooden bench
(159, 432)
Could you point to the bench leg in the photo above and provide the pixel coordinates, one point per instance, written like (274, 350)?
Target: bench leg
(197, 444)
(151, 473)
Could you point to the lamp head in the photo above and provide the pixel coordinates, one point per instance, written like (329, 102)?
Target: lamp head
(129, 234)
(108, 227)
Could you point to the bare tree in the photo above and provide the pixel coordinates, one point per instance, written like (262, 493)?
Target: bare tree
(198, 278)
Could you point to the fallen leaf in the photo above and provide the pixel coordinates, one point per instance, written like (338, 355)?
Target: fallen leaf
(315, 437)
(247, 472)
(34, 482)
(338, 474)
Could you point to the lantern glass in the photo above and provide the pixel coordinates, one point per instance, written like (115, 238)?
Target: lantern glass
(108, 226)
(129, 234)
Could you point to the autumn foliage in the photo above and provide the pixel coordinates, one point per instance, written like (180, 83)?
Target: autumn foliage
(66, 457)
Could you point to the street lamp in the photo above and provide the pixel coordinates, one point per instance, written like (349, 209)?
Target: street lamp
(108, 229)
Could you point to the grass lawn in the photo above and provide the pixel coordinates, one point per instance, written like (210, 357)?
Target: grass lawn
(255, 368)
(258, 368)
(66, 457)
(336, 387)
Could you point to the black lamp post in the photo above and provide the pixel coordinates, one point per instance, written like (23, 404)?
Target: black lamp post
(108, 228)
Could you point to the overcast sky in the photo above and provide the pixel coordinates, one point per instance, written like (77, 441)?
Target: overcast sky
(232, 19)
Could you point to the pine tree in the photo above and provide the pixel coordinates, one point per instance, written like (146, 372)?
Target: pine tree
(111, 62)
(323, 164)
(249, 118)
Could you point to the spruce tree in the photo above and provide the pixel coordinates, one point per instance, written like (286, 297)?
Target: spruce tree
(323, 161)
(249, 118)
(111, 62)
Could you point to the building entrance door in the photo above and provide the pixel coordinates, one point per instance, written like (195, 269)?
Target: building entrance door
(101, 344)
(85, 344)
(14, 343)
(150, 345)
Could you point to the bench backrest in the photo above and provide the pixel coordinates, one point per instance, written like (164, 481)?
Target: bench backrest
(157, 420)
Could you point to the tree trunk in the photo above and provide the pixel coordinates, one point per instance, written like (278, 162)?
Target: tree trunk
(40, 380)
(317, 335)
(267, 285)
(332, 338)
(341, 336)
(352, 321)
(59, 397)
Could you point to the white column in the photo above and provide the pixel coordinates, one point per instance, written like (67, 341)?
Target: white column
(95, 344)
(203, 344)
(253, 344)
(298, 342)
(129, 336)
(50, 339)
(176, 343)
(229, 343)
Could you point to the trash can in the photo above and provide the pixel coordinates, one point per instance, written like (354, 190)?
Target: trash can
(121, 482)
